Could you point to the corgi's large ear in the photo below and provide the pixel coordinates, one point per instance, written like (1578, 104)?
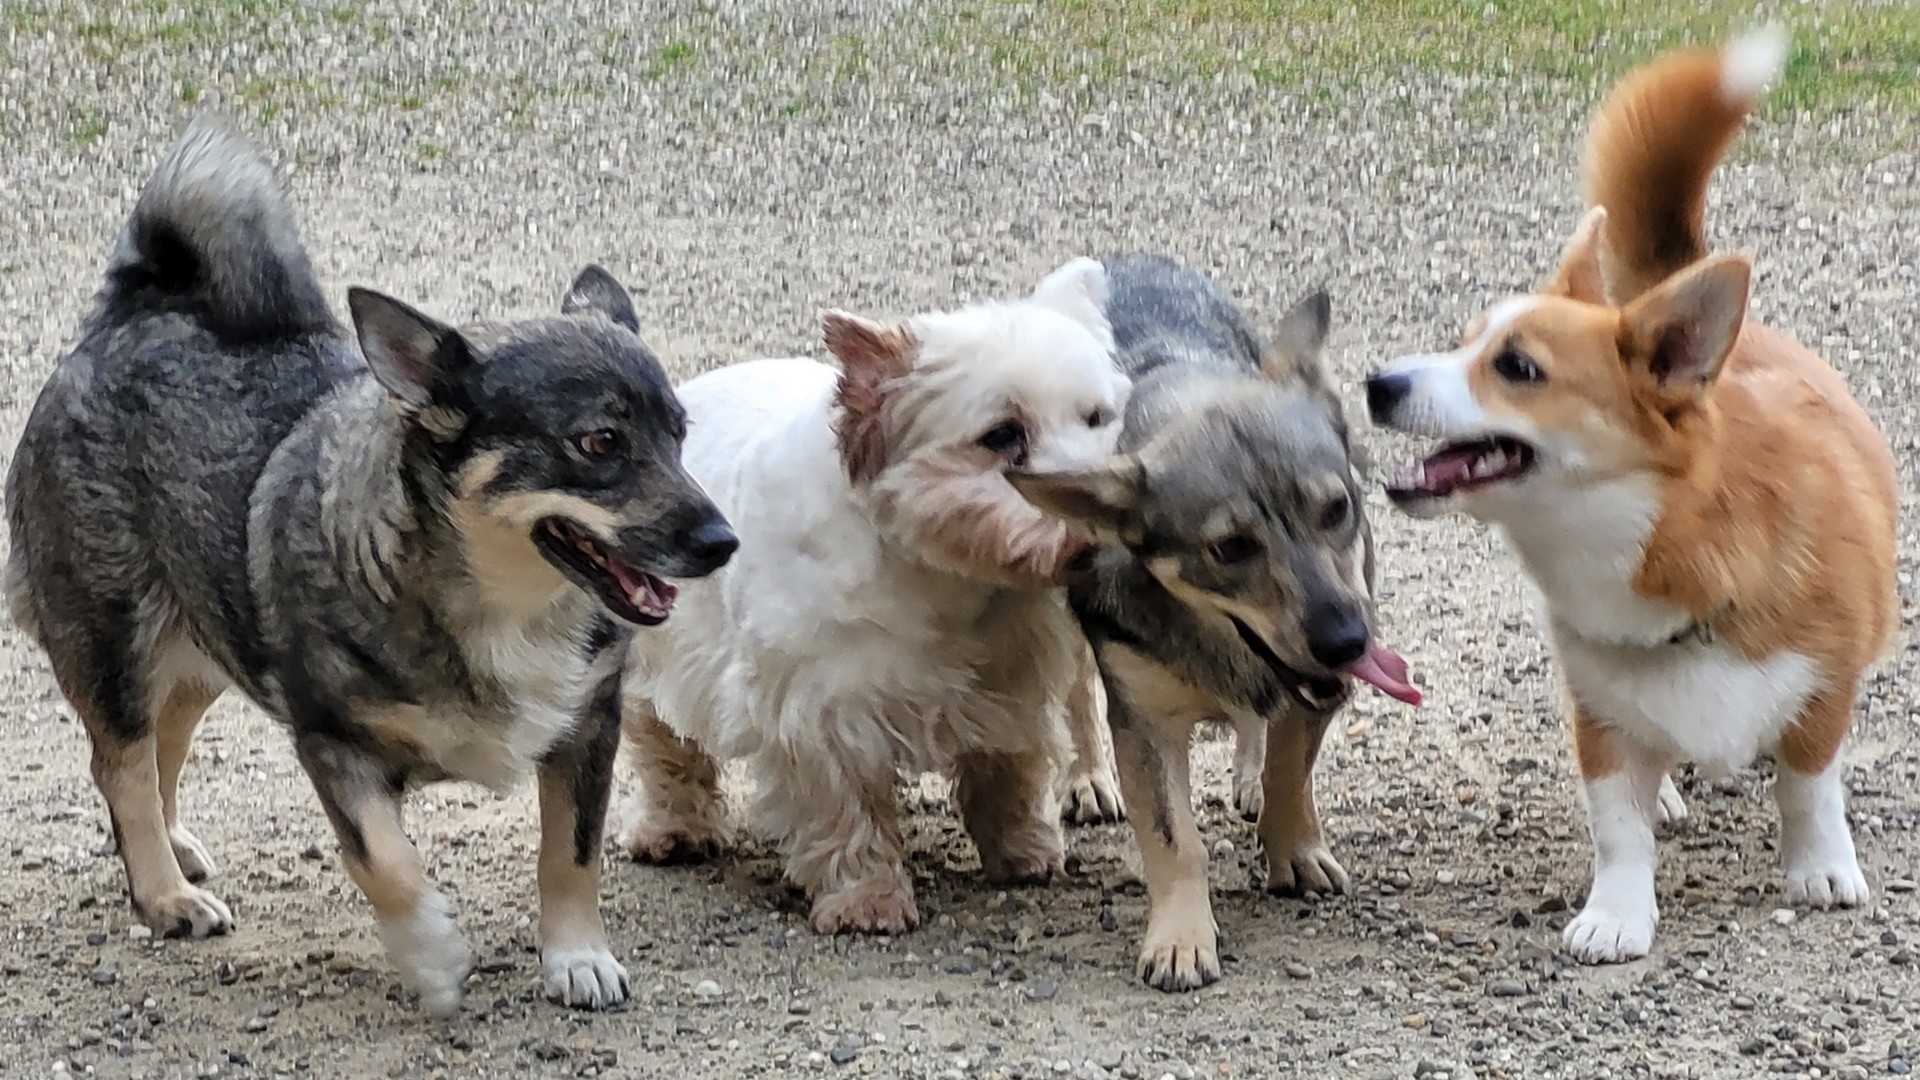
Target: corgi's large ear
(1678, 335)
(873, 358)
(597, 290)
(410, 352)
(1102, 502)
(1078, 290)
(1579, 276)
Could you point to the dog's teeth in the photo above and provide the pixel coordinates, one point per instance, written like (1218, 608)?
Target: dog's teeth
(1492, 463)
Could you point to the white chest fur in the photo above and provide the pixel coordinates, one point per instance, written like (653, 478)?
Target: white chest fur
(1701, 701)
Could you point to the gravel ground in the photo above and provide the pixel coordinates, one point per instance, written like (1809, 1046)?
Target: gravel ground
(712, 157)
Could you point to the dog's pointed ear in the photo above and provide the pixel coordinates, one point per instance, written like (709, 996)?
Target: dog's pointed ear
(872, 359)
(1579, 275)
(1078, 290)
(1677, 336)
(1294, 353)
(597, 290)
(411, 353)
(1102, 502)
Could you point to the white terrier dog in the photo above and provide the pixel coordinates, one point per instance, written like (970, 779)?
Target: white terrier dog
(890, 609)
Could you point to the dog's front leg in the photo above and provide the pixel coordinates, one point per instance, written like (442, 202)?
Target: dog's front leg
(1298, 858)
(1092, 794)
(1181, 950)
(577, 965)
(362, 800)
(1623, 797)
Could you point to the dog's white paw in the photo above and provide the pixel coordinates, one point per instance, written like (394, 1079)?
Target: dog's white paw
(191, 854)
(189, 913)
(1826, 884)
(872, 907)
(1182, 957)
(431, 956)
(1601, 935)
(583, 978)
(1672, 807)
(1093, 798)
(1309, 868)
(671, 843)
(1249, 795)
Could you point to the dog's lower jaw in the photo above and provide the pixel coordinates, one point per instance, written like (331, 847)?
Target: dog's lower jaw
(431, 956)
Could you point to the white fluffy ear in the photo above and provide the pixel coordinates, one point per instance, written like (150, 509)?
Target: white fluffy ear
(1078, 290)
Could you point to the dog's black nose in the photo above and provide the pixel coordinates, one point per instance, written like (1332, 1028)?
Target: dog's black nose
(711, 543)
(1384, 391)
(1336, 638)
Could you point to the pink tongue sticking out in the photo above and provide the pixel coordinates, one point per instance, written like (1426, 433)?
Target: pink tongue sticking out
(1383, 669)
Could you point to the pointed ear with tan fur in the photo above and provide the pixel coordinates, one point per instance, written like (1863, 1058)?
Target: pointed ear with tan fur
(1579, 276)
(1101, 502)
(872, 358)
(1678, 335)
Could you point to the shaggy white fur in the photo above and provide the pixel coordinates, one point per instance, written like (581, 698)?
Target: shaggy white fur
(890, 608)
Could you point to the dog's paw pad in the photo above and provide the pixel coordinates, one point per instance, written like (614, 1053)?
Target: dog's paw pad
(1308, 869)
(192, 855)
(1823, 887)
(1181, 964)
(584, 978)
(1602, 936)
(1093, 799)
(870, 909)
(189, 913)
(671, 845)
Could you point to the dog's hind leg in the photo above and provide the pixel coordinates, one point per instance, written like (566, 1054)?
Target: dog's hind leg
(110, 681)
(1249, 765)
(1010, 813)
(576, 778)
(840, 826)
(675, 813)
(1092, 791)
(195, 685)
(362, 800)
(1298, 858)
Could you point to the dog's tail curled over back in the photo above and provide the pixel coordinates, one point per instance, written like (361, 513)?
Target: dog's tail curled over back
(212, 238)
(1652, 147)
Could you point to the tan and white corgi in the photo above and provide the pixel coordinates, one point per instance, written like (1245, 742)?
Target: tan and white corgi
(1707, 512)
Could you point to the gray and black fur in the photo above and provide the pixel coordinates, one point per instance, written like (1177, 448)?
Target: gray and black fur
(1232, 580)
(393, 555)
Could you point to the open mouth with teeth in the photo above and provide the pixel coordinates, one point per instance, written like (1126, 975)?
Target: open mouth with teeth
(628, 591)
(1321, 693)
(1462, 466)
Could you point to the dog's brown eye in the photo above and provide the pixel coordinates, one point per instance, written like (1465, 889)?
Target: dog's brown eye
(1233, 549)
(1009, 440)
(1517, 367)
(598, 444)
(1099, 418)
(1336, 513)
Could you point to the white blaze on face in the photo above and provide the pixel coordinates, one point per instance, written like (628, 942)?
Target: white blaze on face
(1439, 401)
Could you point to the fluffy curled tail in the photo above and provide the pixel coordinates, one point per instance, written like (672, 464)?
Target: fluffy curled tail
(212, 238)
(1654, 144)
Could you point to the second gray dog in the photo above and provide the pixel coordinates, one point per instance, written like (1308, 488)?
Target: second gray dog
(1233, 581)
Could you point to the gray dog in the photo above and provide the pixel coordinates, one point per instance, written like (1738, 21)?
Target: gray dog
(1233, 581)
(408, 560)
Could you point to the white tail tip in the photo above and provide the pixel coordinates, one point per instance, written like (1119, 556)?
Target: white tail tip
(1752, 63)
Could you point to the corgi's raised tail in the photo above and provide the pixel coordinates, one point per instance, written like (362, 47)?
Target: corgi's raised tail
(1653, 145)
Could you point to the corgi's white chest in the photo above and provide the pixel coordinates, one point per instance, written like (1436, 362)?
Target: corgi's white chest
(1701, 701)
